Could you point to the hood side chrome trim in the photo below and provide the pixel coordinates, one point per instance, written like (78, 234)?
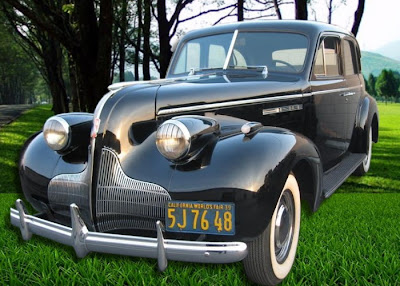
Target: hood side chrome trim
(228, 104)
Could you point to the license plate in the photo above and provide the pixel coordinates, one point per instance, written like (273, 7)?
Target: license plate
(200, 217)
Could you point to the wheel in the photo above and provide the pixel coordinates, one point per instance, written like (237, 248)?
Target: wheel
(271, 255)
(364, 166)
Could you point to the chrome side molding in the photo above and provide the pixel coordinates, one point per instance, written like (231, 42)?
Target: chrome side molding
(84, 241)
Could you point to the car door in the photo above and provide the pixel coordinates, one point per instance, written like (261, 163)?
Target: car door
(330, 106)
(353, 82)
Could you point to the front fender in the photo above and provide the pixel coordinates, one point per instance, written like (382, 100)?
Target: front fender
(249, 171)
(39, 164)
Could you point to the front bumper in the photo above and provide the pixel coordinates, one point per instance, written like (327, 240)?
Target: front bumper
(85, 241)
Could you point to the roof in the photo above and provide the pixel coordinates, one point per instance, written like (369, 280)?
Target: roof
(311, 28)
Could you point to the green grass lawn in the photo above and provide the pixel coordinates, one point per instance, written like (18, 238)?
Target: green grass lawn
(353, 239)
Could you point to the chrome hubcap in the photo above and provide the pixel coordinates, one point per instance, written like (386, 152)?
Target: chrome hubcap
(284, 224)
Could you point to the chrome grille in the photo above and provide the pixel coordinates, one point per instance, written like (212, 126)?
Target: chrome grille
(123, 202)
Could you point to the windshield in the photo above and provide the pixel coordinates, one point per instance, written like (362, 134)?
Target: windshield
(277, 51)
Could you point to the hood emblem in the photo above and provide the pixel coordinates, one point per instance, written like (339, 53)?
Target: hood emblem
(95, 127)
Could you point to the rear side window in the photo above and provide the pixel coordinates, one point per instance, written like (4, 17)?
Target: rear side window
(327, 61)
(350, 58)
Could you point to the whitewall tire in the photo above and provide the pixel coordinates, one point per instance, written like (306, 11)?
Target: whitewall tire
(271, 255)
(366, 163)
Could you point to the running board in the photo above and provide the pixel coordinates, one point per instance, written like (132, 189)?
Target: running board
(335, 177)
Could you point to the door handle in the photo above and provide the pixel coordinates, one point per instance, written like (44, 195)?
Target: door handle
(348, 94)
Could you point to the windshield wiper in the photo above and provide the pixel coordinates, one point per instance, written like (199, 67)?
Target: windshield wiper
(193, 71)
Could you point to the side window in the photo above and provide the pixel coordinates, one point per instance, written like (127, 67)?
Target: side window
(350, 58)
(327, 61)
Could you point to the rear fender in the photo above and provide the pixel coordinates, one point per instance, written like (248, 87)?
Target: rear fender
(368, 116)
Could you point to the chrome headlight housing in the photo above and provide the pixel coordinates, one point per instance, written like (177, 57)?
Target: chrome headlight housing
(173, 139)
(183, 137)
(56, 132)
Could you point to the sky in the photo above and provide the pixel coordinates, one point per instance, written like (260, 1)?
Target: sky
(380, 24)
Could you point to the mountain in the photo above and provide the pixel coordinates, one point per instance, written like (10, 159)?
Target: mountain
(374, 63)
(391, 50)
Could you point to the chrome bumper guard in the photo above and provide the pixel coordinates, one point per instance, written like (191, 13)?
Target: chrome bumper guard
(85, 241)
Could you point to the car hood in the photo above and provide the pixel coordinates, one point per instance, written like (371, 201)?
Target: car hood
(209, 89)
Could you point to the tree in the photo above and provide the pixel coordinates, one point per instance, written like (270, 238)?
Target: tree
(167, 28)
(371, 84)
(18, 74)
(367, 88)
(240, 9)
(301, 9)
(277, 9)
(123, 25)
(332, 6)
(146, 39)
(84, 28)
(386, 85)
(358, 16)
(44, 51)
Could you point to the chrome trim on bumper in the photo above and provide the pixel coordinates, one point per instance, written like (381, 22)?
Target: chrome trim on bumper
(85, 241)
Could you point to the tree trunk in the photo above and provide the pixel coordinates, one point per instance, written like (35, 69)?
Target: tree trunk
(358, 16)
(301, 9)
(240, 8)
(163, 34)
(330, 11)
(93, 58)
(122, 41)
(103, 78)
(53, 59)
(75, 99)
(138, 39)
(146, 40)
(277, 10)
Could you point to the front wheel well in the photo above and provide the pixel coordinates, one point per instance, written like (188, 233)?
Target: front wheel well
(306, 180)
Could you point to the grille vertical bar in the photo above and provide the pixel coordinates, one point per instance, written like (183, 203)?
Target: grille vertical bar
(123, 202)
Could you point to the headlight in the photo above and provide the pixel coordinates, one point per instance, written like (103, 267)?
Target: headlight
(182, 138)
(173, 139)
(56, 133)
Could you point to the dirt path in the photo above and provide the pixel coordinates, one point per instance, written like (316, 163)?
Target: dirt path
(9, 113)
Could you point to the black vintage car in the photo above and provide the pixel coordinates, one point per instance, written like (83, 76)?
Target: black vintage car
(210, 164)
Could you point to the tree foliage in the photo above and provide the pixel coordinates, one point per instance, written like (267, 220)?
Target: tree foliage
(387, 86)
(84, 28)
(18, 75)
(371, 84)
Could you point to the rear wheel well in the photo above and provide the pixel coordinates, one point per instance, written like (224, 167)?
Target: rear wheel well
(306, 181)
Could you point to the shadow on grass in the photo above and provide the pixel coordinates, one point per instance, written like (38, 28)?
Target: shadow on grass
(353, 187)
